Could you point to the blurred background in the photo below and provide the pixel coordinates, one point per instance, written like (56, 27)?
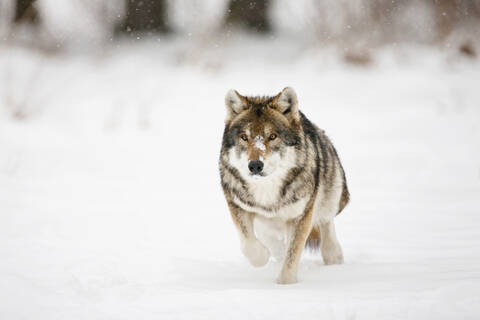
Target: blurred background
(212, 35)
(111, 118)
(355, 28)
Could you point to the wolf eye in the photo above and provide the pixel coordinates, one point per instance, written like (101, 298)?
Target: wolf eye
(272, 137)
(244, 137)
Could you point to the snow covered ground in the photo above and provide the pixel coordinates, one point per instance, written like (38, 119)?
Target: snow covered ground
(111, 206)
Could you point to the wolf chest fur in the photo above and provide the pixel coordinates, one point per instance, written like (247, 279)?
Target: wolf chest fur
(282, 179)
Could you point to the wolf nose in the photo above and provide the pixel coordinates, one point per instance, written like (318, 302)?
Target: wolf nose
(255, 166)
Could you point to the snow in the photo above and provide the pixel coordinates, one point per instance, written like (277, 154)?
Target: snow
(259, 144)
(111, 205)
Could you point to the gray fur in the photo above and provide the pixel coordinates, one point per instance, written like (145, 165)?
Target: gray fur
(315, 182)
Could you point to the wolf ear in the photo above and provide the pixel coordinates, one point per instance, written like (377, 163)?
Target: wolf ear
(235, 104)
(287, 103)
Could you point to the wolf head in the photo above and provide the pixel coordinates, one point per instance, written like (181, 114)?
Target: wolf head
(262, 133)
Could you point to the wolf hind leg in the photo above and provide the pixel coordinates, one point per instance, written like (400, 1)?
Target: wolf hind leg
(329, 245)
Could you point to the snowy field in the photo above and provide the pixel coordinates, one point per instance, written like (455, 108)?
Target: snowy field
(111, 206)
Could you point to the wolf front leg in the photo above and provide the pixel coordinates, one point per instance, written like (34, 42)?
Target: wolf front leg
(252, 248)
(300, 228)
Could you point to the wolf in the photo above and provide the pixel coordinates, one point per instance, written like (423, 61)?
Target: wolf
(282, 179)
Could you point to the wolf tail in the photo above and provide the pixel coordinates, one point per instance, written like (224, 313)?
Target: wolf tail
(345, 198)
(313, 240)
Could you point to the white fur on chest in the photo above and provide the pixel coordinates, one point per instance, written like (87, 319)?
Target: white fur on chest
(284, 213)
(265, 190)
(267, 196)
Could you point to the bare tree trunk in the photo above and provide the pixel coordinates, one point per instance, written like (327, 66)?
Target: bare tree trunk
(446, 16)
(253, 15)
(25, 11)
(145, 16)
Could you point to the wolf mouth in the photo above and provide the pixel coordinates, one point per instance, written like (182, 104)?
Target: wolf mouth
(257, 175)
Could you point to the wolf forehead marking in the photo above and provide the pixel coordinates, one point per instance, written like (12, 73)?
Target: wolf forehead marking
(259, 143)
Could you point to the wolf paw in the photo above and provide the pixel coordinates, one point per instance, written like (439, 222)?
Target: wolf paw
(332, 255)
(287, 278)
(256, 253)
